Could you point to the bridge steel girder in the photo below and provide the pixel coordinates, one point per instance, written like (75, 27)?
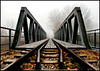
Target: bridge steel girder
(70, 30)
(64, 32)
(57, 36)
(61, 34)
(33, 32)
(26, 33)
(30, 30)
(40, 34)
(75, 31)
(37, 33)
(67, 34)
(78, 22)
(29, 35)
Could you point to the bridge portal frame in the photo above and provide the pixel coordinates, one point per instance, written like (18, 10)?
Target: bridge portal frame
(70, 34)
(31, 34)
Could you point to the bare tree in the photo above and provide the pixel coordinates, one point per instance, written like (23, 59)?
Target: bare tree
(56, 17)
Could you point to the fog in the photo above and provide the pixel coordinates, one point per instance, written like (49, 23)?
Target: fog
(40, 10)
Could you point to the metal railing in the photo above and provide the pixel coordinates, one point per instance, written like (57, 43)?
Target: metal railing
(92, 35)
(93, 38)
(9, 35)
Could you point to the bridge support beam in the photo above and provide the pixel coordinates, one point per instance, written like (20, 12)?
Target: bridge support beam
(33, 32)
(71, 34)
(31, 35)
(64, 28)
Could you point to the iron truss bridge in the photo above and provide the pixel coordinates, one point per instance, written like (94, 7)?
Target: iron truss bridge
(59, 53)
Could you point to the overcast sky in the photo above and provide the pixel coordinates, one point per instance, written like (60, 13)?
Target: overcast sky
(40, 10)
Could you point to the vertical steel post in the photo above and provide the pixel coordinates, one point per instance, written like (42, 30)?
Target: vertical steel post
(70, 31)
(77, 39)
(33, 33)
(75, 30)
(26, 33)
(39, 33)
(63, 33)
(60, 33)
(9, 38)
(67, 34)
(95, 39)
(30, 30)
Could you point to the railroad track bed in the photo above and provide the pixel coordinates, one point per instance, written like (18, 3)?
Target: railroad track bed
(50, 55)
(88, 55)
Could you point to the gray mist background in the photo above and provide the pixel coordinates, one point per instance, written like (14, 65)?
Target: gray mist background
(40, 10)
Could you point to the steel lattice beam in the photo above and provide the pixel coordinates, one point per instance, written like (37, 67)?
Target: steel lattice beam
(30, 35)
(78, 23)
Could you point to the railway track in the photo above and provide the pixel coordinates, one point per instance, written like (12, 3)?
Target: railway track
(48, 55)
